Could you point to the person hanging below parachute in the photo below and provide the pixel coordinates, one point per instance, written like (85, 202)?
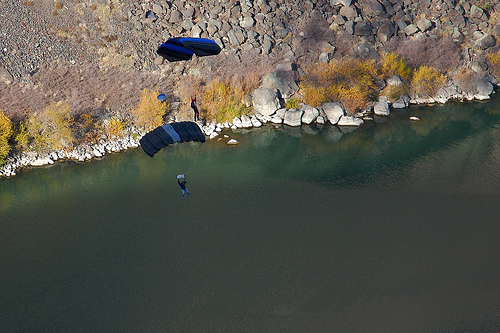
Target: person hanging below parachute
(181, 180)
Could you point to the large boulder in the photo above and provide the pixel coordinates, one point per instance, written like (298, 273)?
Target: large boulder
(484, 42)
(266, 100)
(293, 117)
(483, 90)
(372, 8)
(286, 87)
(333, 112)
(381, 108)
(385, 31)
(350, 121)
(246, 122)
(310, 114)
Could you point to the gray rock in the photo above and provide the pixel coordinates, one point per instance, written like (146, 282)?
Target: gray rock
(350, 121)
(348, 11)
(310, 114)
(401, 103)
(333, 112)
(372, 8)
(363, 28)
(247, 22)
(175, 17)
(293, 117)
(266, 100)
(484, 90)
(381, 108)
(286, 87)
(385, 31)
(394, 80)
(485, 42)
(424, 25)
(349, 27)
(340, 2)
(246, 122)
(5, 76)
(411, 29)
(476, 11)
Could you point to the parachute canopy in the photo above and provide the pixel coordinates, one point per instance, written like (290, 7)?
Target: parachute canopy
(167, 134)
(183, 48)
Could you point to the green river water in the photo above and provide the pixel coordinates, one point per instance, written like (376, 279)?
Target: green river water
(393, 227)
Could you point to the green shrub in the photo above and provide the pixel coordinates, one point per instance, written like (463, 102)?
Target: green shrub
(51, 129)
(426, 81)
(292, 103)
(150, 111)
(5, 134)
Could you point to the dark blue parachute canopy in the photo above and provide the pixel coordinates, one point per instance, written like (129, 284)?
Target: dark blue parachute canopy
(167, 134)
(183, 48)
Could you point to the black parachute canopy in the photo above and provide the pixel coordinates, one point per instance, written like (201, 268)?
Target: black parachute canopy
(162, 136)
(183, 48)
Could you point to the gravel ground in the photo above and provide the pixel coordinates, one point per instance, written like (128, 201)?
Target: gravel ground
(25, 39)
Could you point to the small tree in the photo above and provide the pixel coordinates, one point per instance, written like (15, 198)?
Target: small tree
(5, 134)
(426, 81)
(51, 129)
(393, 64)
(150, 111)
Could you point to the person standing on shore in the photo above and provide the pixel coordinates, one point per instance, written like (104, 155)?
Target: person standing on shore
(195, 109)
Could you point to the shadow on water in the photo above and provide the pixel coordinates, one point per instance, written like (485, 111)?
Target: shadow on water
(389, 227)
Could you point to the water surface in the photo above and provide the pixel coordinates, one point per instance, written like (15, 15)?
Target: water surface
(392, 227)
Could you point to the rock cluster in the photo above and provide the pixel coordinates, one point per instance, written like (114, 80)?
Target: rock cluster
(80, 154)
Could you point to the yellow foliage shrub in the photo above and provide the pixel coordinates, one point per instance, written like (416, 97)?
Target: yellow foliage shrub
(494, 63)
(150, 111)
(114, 127)
(426, 81)
(393, 64)
(5, 134)
(21, 136)
(351, 81)
(223, 101)
(51, 129)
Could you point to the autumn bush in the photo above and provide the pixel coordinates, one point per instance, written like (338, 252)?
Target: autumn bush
(494, 63)
(223, 101)
(114, 127)
(426, 81)
(440, 53)
(5, 134)
(51, 128)
(351, 81)
(393, 64)
(150, 111)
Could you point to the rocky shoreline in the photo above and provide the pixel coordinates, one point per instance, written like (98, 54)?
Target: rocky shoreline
(288, 32)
